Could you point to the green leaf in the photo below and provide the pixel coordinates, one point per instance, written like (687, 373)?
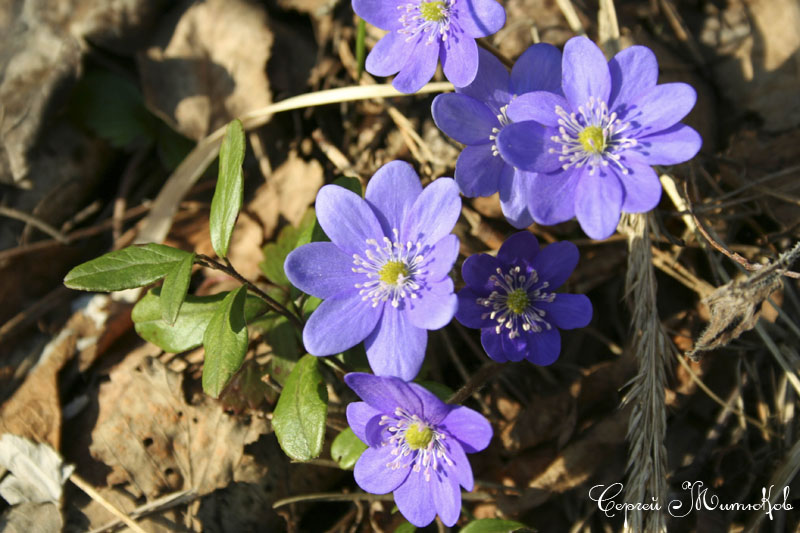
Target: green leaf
(406, 527)
(229, 193)
(176, 285)
(288, 239)
(225, 342)
(134, 266)
(193, 318)
(112, 107)
(346, 448)
(299, 416)
(493, 525)
(282, 338)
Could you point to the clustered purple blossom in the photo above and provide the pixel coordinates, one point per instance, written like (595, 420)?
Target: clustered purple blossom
(558, 137)
(417, 446)
(423, 32)
(511, 299)
(384, 275)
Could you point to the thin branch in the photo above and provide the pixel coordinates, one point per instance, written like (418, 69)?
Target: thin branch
(476, 382)
(96, 496)
(274, 304)
(35, 222)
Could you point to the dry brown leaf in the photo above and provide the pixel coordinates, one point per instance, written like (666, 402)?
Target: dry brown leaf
(34, 411)
(153, 439)
(288, 192)
(208, 67)
(547, 418)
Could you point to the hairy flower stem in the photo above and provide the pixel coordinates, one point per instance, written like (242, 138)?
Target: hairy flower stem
(274, 304)
(647, 459)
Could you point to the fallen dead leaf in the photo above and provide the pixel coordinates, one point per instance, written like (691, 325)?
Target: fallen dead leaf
(289, 191)
(209, 66)
(155, 441)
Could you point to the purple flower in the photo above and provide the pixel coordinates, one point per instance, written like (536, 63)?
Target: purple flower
(422, 32)
(384, 275)
(510, 298)
(593, 147)
(477, 113)
(417, 446)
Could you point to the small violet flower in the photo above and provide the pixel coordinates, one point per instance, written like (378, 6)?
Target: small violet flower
(421, 32)
(384, 275)
(476, 114)
(510, 298)
(592, 147)
(417, 446)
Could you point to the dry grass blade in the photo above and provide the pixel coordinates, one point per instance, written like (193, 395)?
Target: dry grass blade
(571, 15)
(647, 460)
(157, 224)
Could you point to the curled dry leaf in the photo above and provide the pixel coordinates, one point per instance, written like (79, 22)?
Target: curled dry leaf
(208, 67)
(153, 439)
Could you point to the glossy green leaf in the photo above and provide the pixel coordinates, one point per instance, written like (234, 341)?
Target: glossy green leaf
(134, 266)
(282, 338)
(193, 318)
(346, 448)
(494, 525)
(176, 285)
(228, 195)
(225, 342)
(299, 416)
(288, 239)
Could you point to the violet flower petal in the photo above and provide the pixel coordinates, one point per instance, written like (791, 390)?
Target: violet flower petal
(380, 13)
(434, 306)
(478, 170)
(395, 347)
(459, 57)
(414, 499)
(441, 259)
(477, 269)
(537, 69)
(515, 191)
(321, 269)
(419, 68)
(434, 410)
(434, 212)
(545, 347)
(669, 147)
(634, 71)
(480, 18)
(461, 468)
(446, 497)
(391, 192)
(359, 414)
(346, 219)
(555, 263)
(598, 203)
(520, 248)
(660, 108)
(641, 185)
(340, 322)
(463, 118)
(554, 198)
(492, 84)
(389, 55)
(493, 345)
(568, 311)
(470, 428)
(384, 393)
(526, 145)
(469, 312)
(515, 349)
(372, 474)
(584, 72)
(538, 106)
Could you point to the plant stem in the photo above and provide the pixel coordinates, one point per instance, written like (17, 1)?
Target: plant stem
(274, 304)
(475, 383)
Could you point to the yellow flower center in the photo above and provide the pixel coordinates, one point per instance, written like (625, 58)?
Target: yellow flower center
(392, 270)
(518, 301)
(592, 139)
(418, 436)
(432, 11)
